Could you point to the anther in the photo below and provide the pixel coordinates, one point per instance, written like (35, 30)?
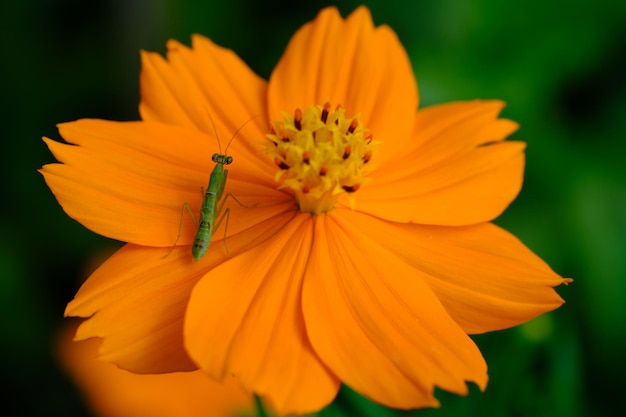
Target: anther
(350, 188)
(353, 124)
(346, 152)
(305, 189)
(297, 119)
(281, 164)
(325, 111)
(305, 157)
(323, 171)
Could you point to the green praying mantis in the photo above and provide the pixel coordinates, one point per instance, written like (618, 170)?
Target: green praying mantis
(212, 203)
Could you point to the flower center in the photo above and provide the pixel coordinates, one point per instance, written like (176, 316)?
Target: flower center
(321, 154)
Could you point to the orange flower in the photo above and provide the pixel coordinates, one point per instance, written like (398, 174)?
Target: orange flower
(114, 392)
(367, 256)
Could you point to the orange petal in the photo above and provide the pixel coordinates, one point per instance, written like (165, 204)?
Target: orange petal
(484, 276)
(113, 392)
(351, 63)
(377, 325)
(137, 299)
(136, 302)
(458, 171)
(245, 320)
(200, 86)
(129, 180)
(209, 88)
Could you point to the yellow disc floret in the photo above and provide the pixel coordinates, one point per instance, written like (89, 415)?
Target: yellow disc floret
(320, 155)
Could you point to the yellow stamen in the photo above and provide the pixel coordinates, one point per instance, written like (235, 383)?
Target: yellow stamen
(320, 155)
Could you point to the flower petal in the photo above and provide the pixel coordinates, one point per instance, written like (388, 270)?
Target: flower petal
(136, 302)
(129, 180)
(351, 63)
(377, 324)
(200, 86)
(113, 392)
(485, 277)
(245, 319)
(209, 88)
(457, 171)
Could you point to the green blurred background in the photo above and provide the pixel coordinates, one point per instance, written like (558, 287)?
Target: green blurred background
(559, 65)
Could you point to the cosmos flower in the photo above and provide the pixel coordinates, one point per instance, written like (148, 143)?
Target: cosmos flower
(114, 392)
(362, 251)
